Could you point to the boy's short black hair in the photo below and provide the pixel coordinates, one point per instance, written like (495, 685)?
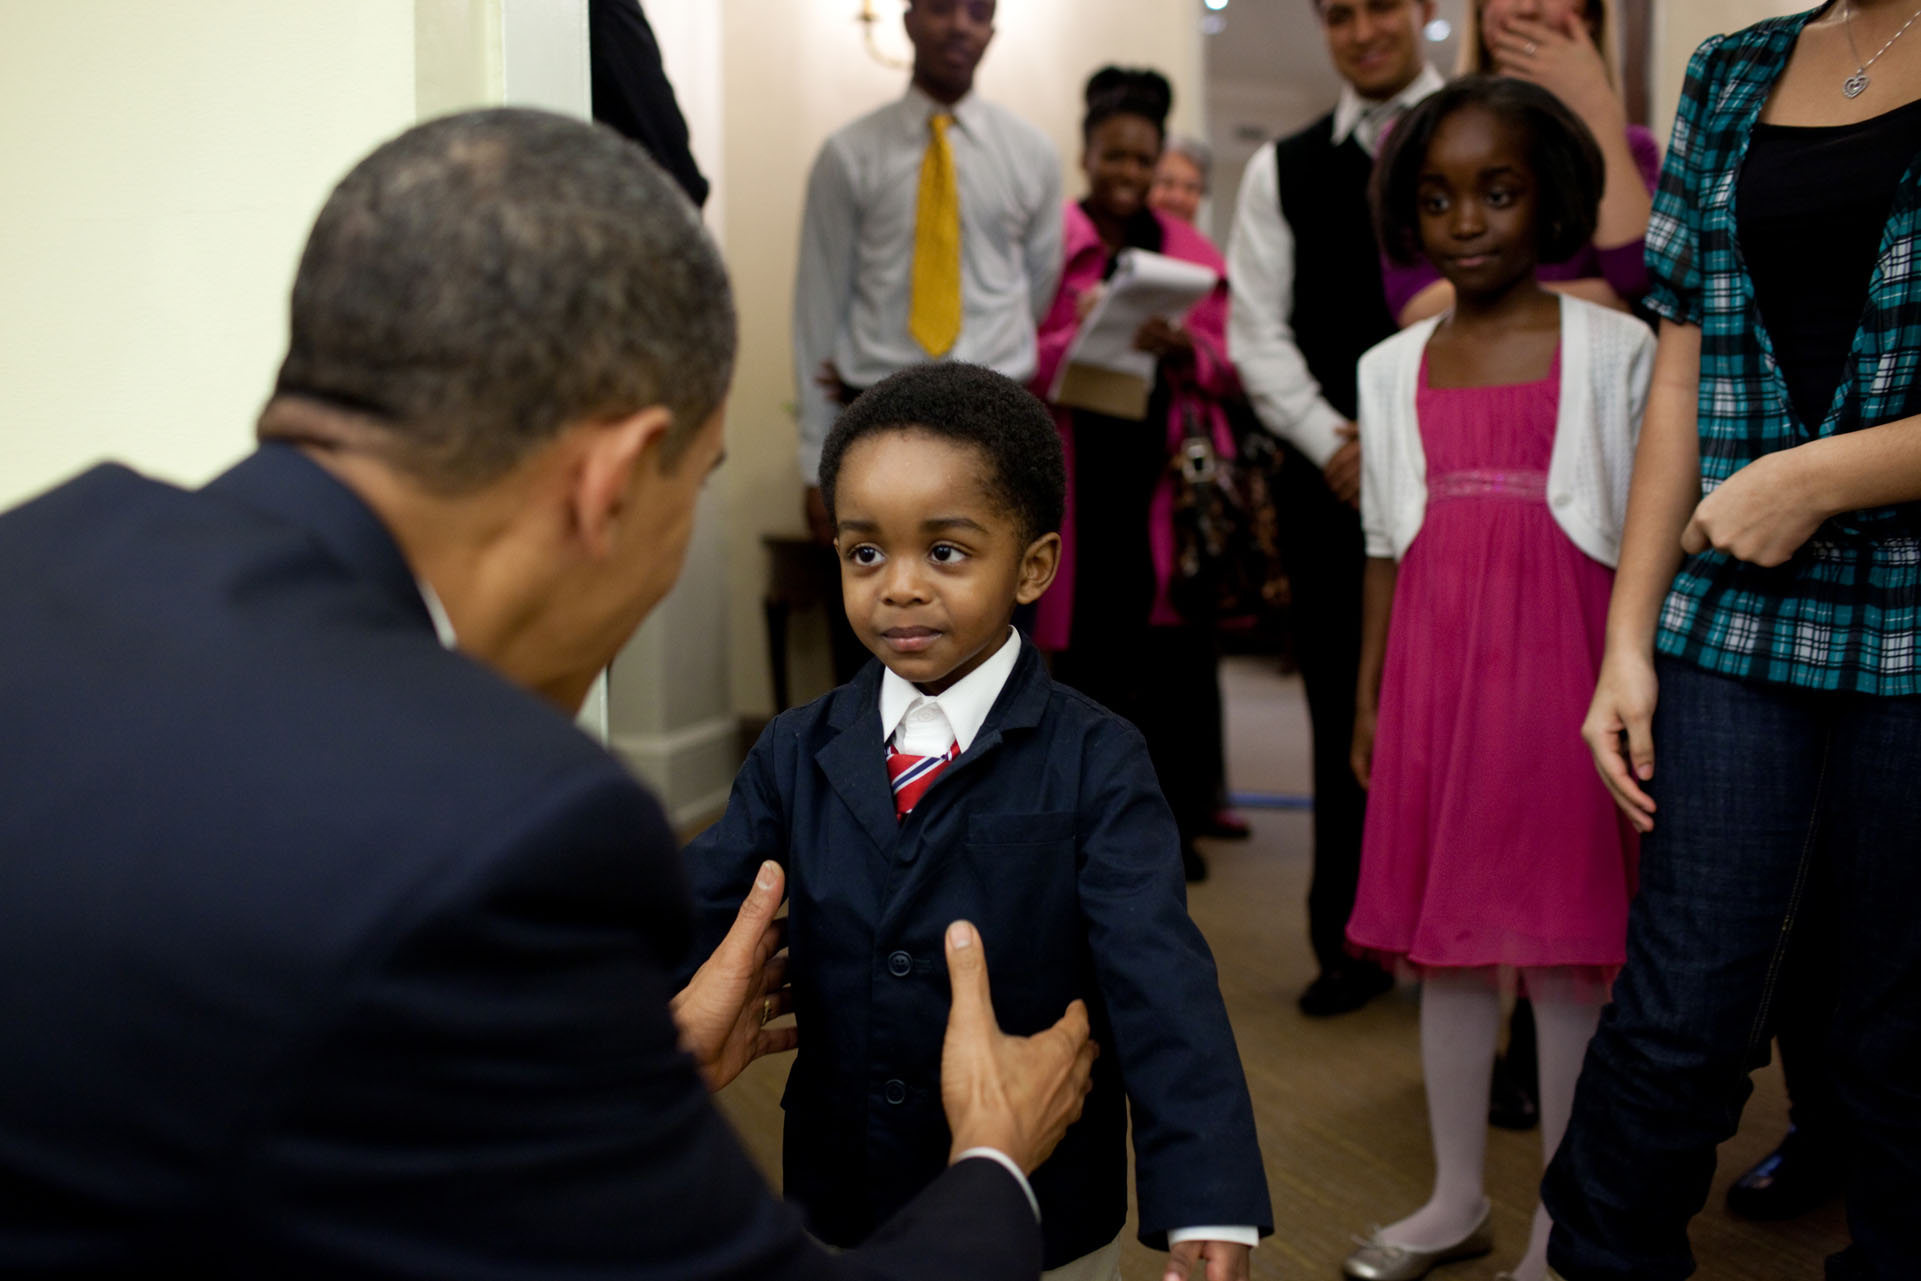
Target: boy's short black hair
(1026, 471)
(1568, 170)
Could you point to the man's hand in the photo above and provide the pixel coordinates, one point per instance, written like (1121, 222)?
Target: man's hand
(1212, 1260)
(1015, 1094)
(1761, 514)
(1343, 470)
(1618, 733)
(724, 1011)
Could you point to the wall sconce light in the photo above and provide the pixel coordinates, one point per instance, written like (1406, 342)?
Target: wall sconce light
(867, 18)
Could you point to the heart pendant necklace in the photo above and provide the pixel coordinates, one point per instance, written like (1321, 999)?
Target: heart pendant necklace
(1855, 85)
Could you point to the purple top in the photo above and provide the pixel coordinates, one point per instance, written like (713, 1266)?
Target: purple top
(1623, 266)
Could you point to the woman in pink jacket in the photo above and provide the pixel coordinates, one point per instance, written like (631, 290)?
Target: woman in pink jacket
(1108, 620)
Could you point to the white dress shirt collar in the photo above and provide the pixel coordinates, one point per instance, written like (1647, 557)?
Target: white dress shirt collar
(1352, 111)
(911, 720)
(917, 107)
(443, 626)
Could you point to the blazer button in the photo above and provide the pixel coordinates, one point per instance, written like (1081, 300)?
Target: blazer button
(900, 965)
(895, 1092)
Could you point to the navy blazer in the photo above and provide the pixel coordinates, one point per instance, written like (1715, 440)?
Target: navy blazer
(1051, 835)
(326, 952)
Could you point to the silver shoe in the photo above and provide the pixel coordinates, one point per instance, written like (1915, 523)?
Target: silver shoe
(1379, 1260)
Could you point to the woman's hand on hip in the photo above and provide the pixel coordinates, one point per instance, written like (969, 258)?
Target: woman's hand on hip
(1618, 730)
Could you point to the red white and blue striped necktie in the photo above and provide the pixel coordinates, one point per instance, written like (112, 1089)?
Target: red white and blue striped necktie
(913, 775)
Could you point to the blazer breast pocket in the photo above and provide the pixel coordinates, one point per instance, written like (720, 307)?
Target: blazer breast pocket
(1013, 831)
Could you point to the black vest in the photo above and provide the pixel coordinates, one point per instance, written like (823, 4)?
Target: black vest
(1339, 311)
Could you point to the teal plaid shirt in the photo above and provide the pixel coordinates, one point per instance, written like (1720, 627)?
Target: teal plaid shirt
(1843, 614)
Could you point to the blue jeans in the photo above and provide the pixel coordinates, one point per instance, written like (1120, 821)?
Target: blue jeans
(1754, 785)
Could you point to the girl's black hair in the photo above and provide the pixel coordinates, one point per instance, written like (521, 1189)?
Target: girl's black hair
(1568, 170)
(1126, 91)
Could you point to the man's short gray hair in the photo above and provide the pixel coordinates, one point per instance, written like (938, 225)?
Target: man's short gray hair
(488, 278)
(1198, 153)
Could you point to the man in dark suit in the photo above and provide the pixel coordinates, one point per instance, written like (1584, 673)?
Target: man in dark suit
(328, 946)
(1306, 276)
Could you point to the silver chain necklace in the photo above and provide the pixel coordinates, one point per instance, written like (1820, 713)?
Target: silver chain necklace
(1856, 84)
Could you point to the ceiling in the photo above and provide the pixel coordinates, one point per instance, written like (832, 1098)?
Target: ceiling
(1264, 39)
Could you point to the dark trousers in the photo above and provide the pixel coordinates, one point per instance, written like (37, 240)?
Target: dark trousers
(1762, 791)
(1321, 544)
(1166, 680)
(1810, 983)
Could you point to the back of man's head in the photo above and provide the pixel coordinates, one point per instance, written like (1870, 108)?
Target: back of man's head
(485, 279)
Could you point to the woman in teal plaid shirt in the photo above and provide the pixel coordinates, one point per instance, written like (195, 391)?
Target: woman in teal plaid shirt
(1762, 634)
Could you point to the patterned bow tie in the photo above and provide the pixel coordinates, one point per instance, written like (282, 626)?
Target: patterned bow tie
(913, 775)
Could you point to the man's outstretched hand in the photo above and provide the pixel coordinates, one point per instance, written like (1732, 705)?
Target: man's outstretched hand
(1016, 1094)
(724, 1011)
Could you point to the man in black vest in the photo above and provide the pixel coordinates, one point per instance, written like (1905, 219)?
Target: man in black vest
(1306, 277)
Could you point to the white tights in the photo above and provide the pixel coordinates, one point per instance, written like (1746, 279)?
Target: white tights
(1460, 1024)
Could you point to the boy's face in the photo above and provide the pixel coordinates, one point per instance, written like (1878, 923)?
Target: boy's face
(931, 566)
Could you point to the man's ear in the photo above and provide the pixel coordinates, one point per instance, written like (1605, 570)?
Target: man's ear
(1039, 563)
(613, 457)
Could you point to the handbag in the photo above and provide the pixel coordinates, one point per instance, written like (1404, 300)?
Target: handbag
(1227, 558)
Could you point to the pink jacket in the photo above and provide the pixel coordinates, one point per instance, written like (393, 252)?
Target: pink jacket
(1200, 387)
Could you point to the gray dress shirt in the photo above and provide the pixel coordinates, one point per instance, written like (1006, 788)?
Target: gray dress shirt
(857, 249)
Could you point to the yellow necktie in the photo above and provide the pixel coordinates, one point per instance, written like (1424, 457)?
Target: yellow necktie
(934, 311)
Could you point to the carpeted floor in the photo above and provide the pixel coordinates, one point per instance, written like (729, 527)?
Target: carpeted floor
(1338, 1102)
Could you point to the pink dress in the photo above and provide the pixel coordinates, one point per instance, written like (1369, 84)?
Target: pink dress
(1490, 840)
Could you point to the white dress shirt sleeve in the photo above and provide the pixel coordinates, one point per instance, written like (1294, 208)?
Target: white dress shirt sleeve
(1249, 1237)
(823, 288)
(1042, 248)
(1260, 341)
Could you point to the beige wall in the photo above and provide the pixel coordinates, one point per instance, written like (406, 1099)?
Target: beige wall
(793, 73)
(1679, 28)
(162, 164)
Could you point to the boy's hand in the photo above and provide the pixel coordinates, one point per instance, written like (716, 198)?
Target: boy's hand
(1212, 1260)
(724, 1010)
(1015, 1094)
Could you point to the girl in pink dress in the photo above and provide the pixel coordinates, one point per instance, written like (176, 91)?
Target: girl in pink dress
(1496, 442)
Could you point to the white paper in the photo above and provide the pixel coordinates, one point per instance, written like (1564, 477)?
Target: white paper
(1143, 285)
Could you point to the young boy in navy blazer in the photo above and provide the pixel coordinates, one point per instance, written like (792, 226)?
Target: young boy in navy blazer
(953, 779)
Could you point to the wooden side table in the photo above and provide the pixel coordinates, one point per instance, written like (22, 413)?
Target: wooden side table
(801, 574)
